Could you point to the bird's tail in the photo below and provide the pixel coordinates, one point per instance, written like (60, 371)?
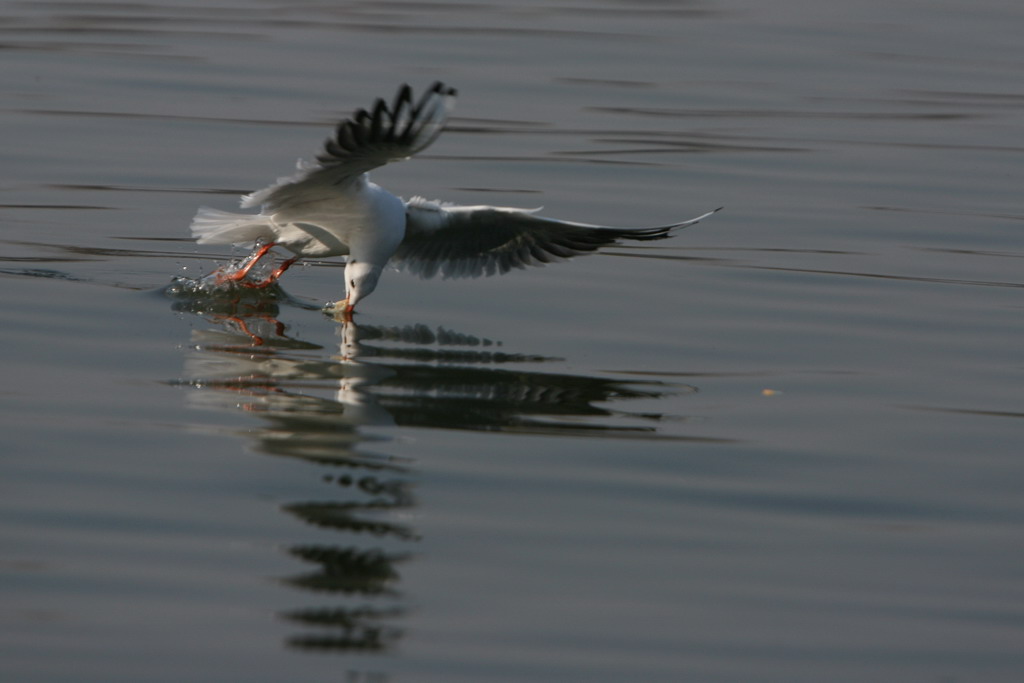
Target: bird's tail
(212, 226)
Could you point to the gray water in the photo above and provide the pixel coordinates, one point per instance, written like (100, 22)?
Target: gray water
(782, 446)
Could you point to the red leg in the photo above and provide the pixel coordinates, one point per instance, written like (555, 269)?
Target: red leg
(272, 278)
(247, 265)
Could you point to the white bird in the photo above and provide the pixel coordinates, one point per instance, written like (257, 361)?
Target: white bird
(330, 208)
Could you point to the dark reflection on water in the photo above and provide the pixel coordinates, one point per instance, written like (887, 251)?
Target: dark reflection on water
(412, 375)
(314, 403)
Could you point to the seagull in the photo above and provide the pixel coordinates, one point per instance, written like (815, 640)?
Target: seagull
(330, 208)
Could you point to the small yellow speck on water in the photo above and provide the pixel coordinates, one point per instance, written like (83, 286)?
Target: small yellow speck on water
(769, 392)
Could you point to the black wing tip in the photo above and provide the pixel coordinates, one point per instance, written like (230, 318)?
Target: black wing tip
(436, 88)
(662, 232)
(439, 88)
(371, 125)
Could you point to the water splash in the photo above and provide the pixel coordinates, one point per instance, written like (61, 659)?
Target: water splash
(222, 292)
(247, 273)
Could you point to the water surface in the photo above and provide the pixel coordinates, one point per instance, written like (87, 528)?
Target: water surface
(783, 446)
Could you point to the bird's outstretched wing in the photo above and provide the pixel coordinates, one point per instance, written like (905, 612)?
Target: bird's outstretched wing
(469, 241)
(368, 139)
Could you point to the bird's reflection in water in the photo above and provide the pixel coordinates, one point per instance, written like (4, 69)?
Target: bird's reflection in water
(319, 405)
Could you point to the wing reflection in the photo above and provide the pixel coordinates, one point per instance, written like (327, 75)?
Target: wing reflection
(314, 401)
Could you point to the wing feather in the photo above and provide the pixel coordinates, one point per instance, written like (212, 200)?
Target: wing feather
(470, 241)
(366, 140)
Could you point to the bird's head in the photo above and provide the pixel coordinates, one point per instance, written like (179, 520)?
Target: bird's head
(360, 280)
